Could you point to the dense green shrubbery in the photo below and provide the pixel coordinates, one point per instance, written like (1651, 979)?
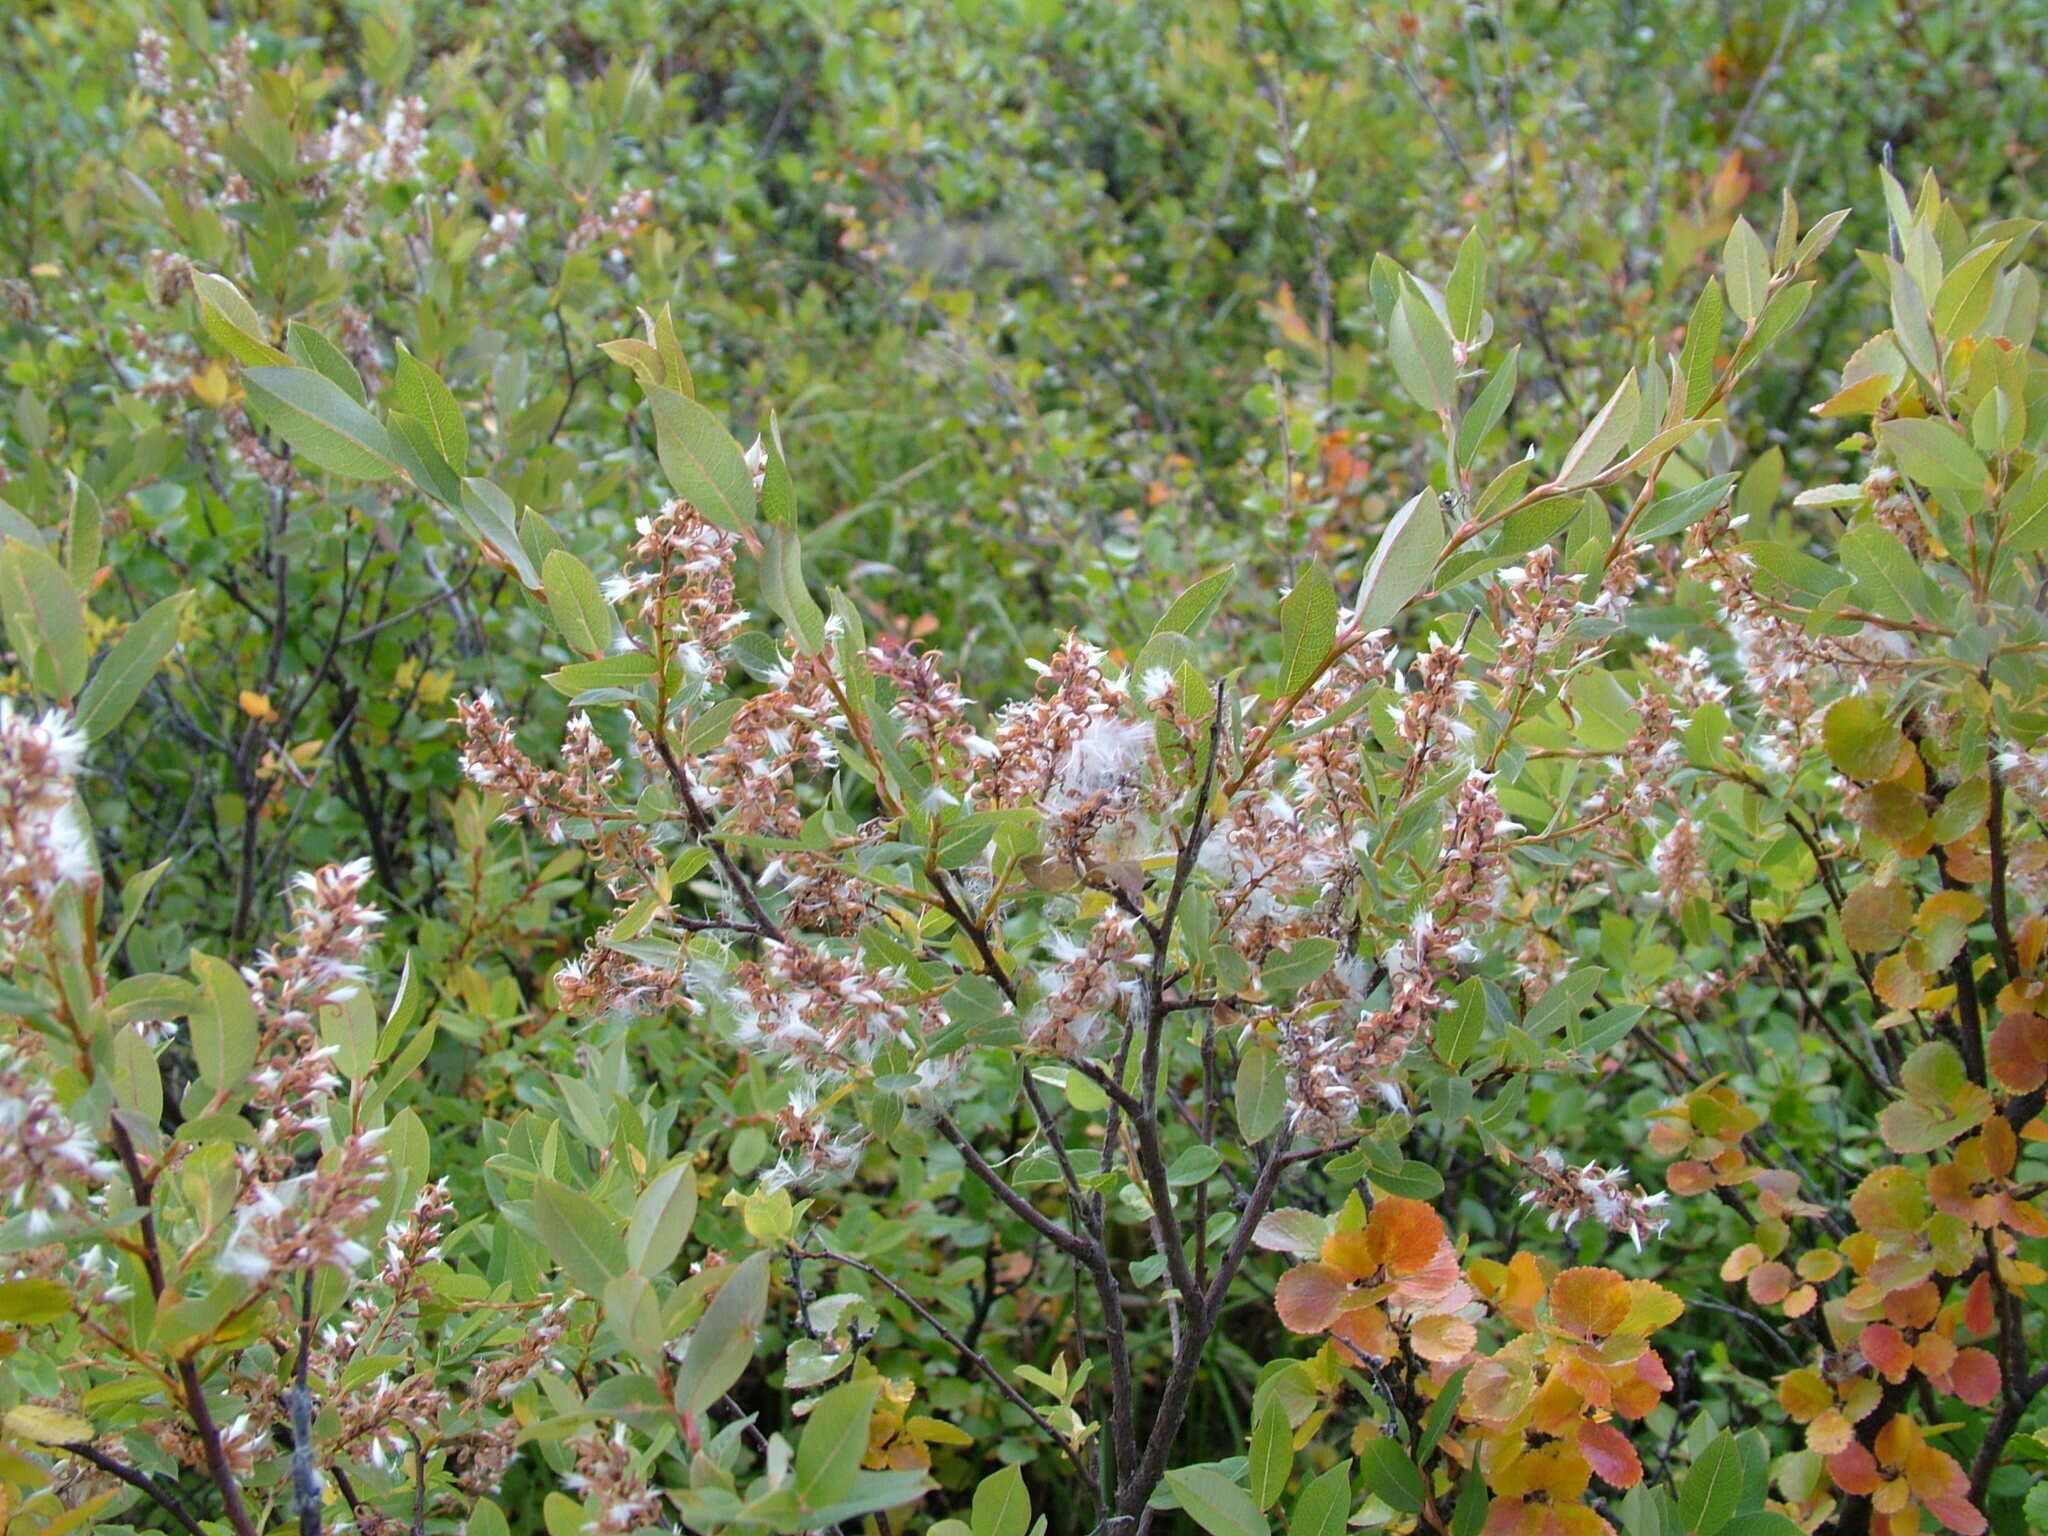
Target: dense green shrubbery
(1504, 656)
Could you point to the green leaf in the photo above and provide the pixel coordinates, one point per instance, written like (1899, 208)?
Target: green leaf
(1487, 408)
(31, 1303)
(1763, 1522)
(1933, 453)
(701, 460)
(1888, 580)
(1606, 715)
(1860, 739)
(662, 1218)
(562, 1515)
(778, 490)
(1215, 1503)
(1605, 436)
(45, 620)
(416, 452)
(835, 1438)
(1388, 1474)
(1560, 1005)
(784, 589)
(310, 348)
(1442, 1411)
(419, 392)
(488, 512)
(1323, 1508)
(1702, 342)
(1910, 327)
(15, 526)
(1196, 1165)
(1408, 1178)
(871, 1491)
(582, 616)
(1402, 563)
(1001, 1505)
(1680, 510)
(723, 1345)
(1465, 293)
(232, 322)
(627, 670)
(1308, 628)
(1748, 271)
(84, 534)
(581, 1235)
(2025, 510)
(1261, 1092)
(1289, 970)
(1192, 610)
(1711, 1488)
(1421, 346)
(323, 426)
(1272, 1459)
(1963, 302)
(223, 1024)
(1460, 1022)
(675, 366)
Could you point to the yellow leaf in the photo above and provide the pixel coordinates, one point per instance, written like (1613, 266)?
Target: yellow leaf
(1858, 399)
(256, 705)
(935, 1431)
(47, 1426)
(210, 387)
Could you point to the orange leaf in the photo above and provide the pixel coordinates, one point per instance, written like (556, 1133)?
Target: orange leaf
(1975, 1378)
(2018, 1052)
(1310, 1297)
(1609, 1454)
(1405, 1233)
(1829, 1433)
(1887, 1351)
(1979, 1306)
(1854, 1469)
(1444, 1338)
(1770, 1283)
(1590, 1303)
(1689, 1178)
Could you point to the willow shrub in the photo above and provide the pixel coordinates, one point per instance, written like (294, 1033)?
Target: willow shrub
(1208, 1015)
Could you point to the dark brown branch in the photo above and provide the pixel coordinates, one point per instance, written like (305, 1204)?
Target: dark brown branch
(161, 1497)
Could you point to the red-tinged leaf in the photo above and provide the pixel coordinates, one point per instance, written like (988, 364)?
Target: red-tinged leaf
(1608, 1452)
(1854, 1469)
(1975, 1378)
(1887, 1351)
(1770, 1284)
(1980, 1313)
(1957, 1513)
(2018, 1052)
(1689, 1178)
(1310, 1297)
